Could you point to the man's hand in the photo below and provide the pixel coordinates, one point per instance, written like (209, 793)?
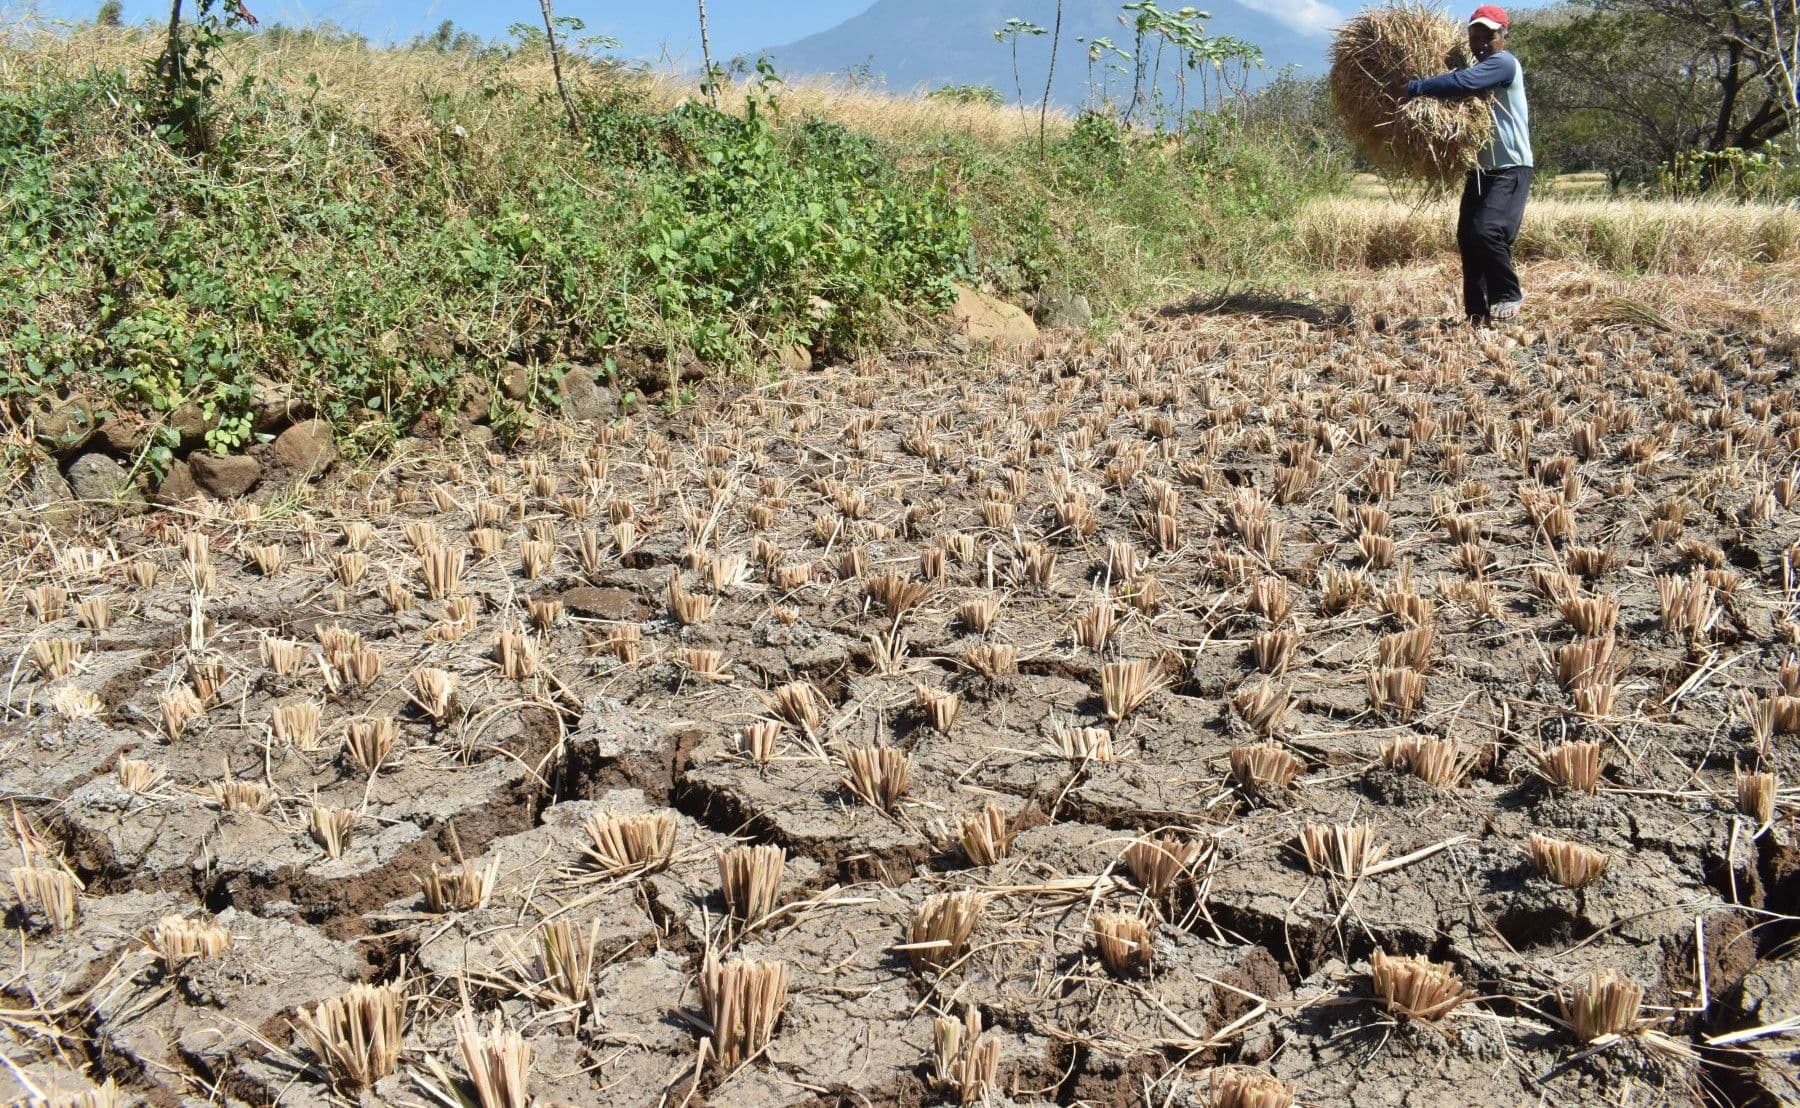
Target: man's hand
(1403, 91)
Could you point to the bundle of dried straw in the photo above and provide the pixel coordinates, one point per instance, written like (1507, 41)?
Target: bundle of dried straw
(1371, 60)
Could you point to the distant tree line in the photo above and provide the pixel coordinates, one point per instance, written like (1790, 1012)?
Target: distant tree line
(1642, 89)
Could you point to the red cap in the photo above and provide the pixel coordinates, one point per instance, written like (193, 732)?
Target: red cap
(1491, 16)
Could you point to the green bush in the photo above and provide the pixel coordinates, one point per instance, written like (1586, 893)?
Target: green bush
(374, 269)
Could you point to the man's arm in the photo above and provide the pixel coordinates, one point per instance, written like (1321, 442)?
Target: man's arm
(1494, 72)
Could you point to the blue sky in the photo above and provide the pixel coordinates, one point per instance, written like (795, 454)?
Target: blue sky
(646, 27)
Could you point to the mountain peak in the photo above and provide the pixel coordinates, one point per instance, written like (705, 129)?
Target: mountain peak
(914, 45)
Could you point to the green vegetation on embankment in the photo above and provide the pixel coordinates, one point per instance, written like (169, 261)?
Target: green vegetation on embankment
(380, 232)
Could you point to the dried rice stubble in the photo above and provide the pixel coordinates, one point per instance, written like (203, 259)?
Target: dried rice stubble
(1436, 141)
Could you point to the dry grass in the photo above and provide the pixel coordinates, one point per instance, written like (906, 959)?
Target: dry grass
(1416, 988)
(744, 1001)
(355, 1037)
(1633, 236)
(965, 1062)
(940, 929)
(1377, 50)
(370, 85)
(1244, 1088)
(1602, 1004)
(750, 880)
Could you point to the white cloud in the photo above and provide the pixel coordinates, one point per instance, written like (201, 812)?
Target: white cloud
(1310, 16)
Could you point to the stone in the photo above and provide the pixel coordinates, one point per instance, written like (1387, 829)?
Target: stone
(515, 381)
(224, 476)
(176, 485)
(989, 321)
(583, 397)
(48, 486)
(126, 433)
(305, 448)
(274, 406)
(795, 358)
(190, 422)
(100, 479)
(64, 425)
(1065, 308)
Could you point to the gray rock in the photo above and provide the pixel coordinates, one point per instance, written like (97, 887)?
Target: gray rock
(305, 448)
(584, 398)
(515, 382)
(48, 486)
(274, 406)
(100, 479)
(225, 476)
(1064, 308)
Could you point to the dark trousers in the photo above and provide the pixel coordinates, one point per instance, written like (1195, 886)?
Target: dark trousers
(1493, 205)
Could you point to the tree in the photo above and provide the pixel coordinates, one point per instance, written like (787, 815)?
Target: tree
(1050, 77)
(562, 89)
(1747, 43)
(111, 14)
(1009, 34)
(711, 85)
(1602, 100)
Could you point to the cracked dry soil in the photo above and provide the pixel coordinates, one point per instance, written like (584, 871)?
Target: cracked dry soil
(1331, 540)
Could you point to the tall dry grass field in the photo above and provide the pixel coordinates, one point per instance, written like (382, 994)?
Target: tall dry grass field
(388, 86)
(1630, 236)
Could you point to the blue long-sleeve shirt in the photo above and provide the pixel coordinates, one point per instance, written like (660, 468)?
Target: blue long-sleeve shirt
(1501, 79)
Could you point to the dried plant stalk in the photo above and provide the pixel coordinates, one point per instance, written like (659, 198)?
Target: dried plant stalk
(1417, 988)
(760, 739)
(750, 880)
(1570, 865)
(1433, 761)
(1235, 1087)
(498, 1061)
(1159, 862)
(1263, 767)
(355, 1037)
(743, 1000)
(939, 706)
(1348, 851)
(1756, 796)
(965, 1061)
(1574, 765)
(940, 929)
(178, 940)
(566, 961)
(987, 836)
(1262, 707)
(630, 843)
(332, 829)
(1123, 942)
(1602, 1004)
(1125, 686)
(462, 888)
(49, 895)
(879, 775)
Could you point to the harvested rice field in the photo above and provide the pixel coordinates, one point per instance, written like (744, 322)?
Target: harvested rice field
(1243, 711)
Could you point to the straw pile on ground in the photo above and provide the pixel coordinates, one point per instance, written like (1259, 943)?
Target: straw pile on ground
(1373, 57)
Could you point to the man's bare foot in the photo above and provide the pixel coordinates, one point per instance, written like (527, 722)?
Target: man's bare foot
(1504, 313)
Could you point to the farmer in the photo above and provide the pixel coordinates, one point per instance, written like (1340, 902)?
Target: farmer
(1493, 200)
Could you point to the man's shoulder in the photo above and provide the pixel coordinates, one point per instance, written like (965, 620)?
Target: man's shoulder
(1509, 59)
